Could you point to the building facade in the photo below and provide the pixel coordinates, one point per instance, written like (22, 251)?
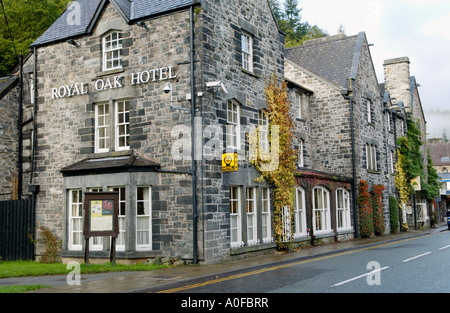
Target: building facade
(121, 89)
(150, 101)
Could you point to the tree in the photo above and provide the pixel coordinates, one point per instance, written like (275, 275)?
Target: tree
(409, 147)
(21, 23)
(290, 23)
(444, 136)
(431, 188)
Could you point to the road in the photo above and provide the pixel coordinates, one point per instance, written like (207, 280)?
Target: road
(415, 265)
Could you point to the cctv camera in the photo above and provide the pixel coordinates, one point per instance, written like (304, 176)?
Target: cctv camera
(168, 88)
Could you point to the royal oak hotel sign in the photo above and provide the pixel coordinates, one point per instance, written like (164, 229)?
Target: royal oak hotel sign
(102, 84)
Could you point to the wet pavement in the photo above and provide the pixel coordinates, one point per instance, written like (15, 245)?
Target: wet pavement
(164, 280)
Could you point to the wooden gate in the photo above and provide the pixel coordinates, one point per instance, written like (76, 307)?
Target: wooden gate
(17, 223)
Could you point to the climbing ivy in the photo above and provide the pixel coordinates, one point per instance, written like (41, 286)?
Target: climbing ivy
(281, 176)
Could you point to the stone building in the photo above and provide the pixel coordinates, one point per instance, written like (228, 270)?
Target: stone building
(9, 99)
(345, 95)
(151, 101)
(403, 87)
(121, 89)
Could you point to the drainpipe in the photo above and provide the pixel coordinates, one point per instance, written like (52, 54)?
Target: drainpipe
(193, 138)
(33, 148)
(349, 96)
(19, 128)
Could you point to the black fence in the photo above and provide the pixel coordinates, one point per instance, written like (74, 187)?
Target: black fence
(17, 222)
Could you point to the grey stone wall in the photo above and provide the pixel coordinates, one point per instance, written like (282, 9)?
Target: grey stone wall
(221, 28)
(8, 142)
(66, 125)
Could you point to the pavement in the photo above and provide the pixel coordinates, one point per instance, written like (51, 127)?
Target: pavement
(164, 280)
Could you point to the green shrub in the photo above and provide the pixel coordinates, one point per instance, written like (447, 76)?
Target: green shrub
(393, 208)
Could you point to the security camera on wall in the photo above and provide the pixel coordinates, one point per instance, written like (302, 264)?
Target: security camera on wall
(168, 88)
(217, 84)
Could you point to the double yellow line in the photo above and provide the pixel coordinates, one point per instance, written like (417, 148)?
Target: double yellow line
(274, 268)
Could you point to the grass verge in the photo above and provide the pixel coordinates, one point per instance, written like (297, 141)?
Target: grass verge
(31, 268)
(21, 288)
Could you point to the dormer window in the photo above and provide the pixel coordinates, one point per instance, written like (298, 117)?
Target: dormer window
(112, 51)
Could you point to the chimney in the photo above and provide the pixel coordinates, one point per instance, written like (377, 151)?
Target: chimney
(397, 80)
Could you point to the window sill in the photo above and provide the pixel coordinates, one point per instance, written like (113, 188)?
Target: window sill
(110, 72)
(249, 73)
(374, 172)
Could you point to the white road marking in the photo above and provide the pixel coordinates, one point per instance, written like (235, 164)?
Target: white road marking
(443, 248)
(360, 276)
(416, 257)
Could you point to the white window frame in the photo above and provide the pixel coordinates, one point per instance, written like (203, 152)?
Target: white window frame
(298, 104)
(122, 125)
(263, 128)
(300, 213)
(112, 51)
(247, 51)
(120, 242)
(96, 243)
(148, 228)
(235, 217)
(105, 125)
(371, 157)
(321, 211)
(233, 125)
(301, 154)
(266, 220)
(252, 221)
(369, 111)
(75, 205)
(343, 218)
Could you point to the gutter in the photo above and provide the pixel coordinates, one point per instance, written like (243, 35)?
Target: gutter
(193, 139)
(349, 95)
(19, 128)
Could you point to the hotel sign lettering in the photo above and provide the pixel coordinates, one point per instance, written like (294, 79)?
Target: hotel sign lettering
(102, 84)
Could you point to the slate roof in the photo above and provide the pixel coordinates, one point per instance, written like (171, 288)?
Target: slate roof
(334, 58)
(438, 151)
(7, 83)
(132, 11)
(110, 163)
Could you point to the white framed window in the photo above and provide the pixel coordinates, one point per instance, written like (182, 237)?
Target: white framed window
(112, 51)
(75, 219)
(343, 209)
(235, 217)
(247, 52)
(143, 219)
(252, 225)
(369, 111)
(321, 210)
(233, 125)
(298, 105)
(122, 119)
(120, 242)
(102, 127)
(388, 117)
(301, 154)
(371, 157)
(300, 214)
(266, 220)
(263, 124)
(391, 162)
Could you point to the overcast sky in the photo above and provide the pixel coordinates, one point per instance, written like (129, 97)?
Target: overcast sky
(417, 29)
